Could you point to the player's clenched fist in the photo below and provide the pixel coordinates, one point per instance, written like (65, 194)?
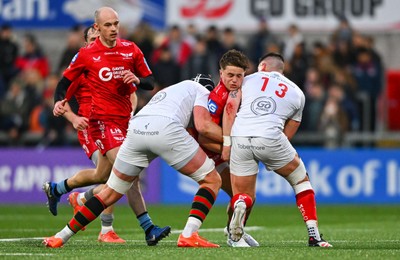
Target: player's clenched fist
(59, 108)
(129, 77)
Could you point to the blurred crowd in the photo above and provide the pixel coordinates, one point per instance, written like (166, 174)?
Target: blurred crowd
(342, 77)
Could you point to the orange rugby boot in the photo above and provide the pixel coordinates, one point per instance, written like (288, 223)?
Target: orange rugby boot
(53, 242)
(110, 237)
(194, 241)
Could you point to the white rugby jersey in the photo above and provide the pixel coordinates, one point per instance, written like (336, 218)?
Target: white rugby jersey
(177, 101)
(268, 100)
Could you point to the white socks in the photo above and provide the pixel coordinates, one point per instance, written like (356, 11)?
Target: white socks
(312, 227)
(65, 234)
(192, 226)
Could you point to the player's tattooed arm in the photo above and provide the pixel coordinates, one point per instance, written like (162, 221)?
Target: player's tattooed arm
(233, 94)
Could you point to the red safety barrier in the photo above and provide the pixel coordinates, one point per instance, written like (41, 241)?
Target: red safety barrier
(393, 99)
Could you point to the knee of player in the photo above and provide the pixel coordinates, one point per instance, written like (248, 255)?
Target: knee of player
(298, 179)
(119, 185)
(214, 178)
(103, 179)
(207, 173)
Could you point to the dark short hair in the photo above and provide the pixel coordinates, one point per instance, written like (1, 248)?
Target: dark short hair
(234, 58)
(272, 54)
(86, 32)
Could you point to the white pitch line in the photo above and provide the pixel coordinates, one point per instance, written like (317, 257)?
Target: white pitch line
(172, 232)
(20, 239)
(24, 254)
(218, 229)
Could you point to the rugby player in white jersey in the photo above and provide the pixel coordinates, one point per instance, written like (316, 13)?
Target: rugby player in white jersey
(159, 129)
(258, 122)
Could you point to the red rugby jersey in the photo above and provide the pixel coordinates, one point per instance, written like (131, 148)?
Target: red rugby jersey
(103, 67)
(81, 90)
(217, 101)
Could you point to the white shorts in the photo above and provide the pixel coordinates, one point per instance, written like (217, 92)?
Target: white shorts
(152, 136)
(247, 152)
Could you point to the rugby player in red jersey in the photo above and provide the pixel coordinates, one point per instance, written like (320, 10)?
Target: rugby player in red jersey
(114, 68)
(233, 65)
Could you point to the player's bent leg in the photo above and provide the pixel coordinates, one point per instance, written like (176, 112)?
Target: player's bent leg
(86, 214)
(201, 169)
(107, 233)
(239, 203)
(247, 240)
(305, 199)
(73, 200)
(82, 178)
(153, 233)
(53, 199)
(96, 176)
(224, 172)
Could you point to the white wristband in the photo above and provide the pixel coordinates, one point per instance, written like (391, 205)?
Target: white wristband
(227, 140)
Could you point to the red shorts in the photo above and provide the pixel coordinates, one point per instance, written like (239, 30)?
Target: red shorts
(87, 143)
(108, 134)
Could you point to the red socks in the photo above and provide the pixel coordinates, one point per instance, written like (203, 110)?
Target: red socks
(305, 201)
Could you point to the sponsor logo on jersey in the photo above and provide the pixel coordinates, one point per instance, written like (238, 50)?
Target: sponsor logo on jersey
(157, 97)
(110, 52)
(96, 59)
(115, 131)
(263, 106)
(212, 107)
(126, 43)
(126, 55)
(147, 133)
(99, 144)
(74, 58)
(105, 74)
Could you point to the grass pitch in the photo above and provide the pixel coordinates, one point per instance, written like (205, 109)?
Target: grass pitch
(356, 232)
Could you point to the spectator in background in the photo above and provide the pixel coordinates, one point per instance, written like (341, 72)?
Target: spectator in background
(74, 42)
(34, 83)
(214, 47)
(166, 70)
(37, 121)
(344, 32)
(54, 127)
(143, 35)
(33, 57)
(343, 54)
(191, 35)
(333, 122)
(260, 40)
(15, 109)
(298, 65)
(347, 104)
(376, 57)
(292, 41)
(343, 77)
(322, 60)
(368, 75)
(179, 48)
(199, 61)
(315, 96)
(229, 40)
(8, 54)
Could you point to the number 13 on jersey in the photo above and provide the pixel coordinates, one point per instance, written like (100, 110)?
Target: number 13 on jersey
(280, 93)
